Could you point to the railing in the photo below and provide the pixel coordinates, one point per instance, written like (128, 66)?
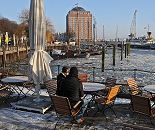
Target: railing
(96, 75)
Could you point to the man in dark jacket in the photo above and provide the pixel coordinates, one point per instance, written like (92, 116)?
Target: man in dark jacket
(60, 78)
(72, 87)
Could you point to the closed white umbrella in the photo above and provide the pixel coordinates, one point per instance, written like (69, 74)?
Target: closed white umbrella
(40, 59)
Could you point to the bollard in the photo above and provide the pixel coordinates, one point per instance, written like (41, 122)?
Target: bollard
(103, 57)
(114, 54)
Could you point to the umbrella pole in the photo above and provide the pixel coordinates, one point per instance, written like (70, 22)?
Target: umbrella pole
(37, 93)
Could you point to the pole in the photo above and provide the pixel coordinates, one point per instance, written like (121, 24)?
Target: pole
(125, 50)
(114, 54)
(4, 57)
(103, 58)
(122, 45)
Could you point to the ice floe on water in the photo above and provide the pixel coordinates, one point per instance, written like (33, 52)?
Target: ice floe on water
(140, 60)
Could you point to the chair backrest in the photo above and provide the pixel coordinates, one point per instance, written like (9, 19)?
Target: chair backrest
(110, 82)
(112, 93)
(141, 104)
(83, 77)
(133, 86)
(61, 104)
(51, 86)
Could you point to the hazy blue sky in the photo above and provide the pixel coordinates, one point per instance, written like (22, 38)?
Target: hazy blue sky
(110, 13)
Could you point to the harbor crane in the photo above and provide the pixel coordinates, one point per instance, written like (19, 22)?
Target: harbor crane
(133, 27)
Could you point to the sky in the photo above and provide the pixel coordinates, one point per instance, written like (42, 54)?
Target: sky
(115, 15)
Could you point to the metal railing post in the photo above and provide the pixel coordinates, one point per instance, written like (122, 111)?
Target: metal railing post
(58, 69)
(93, 74)
(135, 73)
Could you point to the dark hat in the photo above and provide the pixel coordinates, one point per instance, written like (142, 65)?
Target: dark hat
(73, 72)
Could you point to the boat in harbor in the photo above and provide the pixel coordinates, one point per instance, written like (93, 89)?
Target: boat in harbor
(142, 43)
(59, 54)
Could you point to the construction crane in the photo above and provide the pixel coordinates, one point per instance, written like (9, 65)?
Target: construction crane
(133, 27)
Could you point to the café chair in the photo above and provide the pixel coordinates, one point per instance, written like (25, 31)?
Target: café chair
(63, 108)
(110, 82)
(5, 93)
(83, 77)
(133, 87)
(142, 105)
(51, 86)
(107, 102)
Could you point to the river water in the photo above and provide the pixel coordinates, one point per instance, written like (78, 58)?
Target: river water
(139, 64)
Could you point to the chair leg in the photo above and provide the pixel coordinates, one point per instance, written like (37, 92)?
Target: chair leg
(56, 123)
(98, 109)
(113, 111)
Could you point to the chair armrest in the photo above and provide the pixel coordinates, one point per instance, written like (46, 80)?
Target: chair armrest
(77, 104)
(100, 99)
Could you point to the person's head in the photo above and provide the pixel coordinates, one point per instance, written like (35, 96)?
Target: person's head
(65, 70)
(73, 72)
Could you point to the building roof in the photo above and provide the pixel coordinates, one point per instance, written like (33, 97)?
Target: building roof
(78, 9)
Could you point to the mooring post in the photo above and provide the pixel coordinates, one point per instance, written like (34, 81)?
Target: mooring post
(128, 49)
(125, 50)
(18, 52)
(4, 57)
(114, 54)
(122, 46)
(103, 57)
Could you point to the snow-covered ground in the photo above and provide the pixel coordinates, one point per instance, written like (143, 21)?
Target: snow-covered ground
(11, 119)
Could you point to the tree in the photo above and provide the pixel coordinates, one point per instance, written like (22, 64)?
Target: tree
(24, 19)
(7, 25)
(24, 16)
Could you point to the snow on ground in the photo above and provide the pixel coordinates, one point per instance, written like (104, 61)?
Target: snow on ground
(11, 119)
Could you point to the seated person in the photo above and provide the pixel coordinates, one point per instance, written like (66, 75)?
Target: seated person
(60, 78)
(72, 88)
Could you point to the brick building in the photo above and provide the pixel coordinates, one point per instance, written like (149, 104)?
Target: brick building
(79, 24)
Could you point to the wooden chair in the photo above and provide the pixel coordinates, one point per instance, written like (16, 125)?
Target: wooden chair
(5, 94)
(83, 77)
(110, 82)
(63, 108)
(51, 86)
(108, 101)
(142, 105)
(133, 87)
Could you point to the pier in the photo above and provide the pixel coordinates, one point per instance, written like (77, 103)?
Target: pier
(12, 54)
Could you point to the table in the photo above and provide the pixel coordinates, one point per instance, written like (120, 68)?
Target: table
(150, 88)
(90, 88)
(15, 79)
(15, 82)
